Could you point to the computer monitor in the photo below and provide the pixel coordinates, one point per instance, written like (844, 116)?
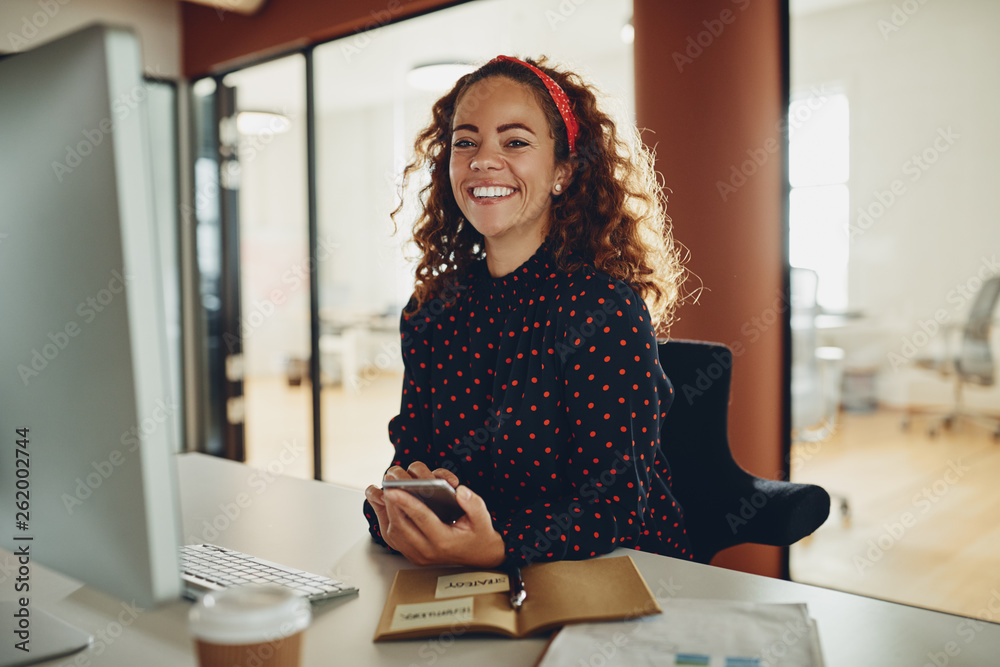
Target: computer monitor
(87, 480)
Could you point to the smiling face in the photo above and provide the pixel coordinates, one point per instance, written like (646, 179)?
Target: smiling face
(503, 169)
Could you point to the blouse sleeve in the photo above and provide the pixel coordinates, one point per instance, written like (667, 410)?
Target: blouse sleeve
(410, 430)
(615, 395)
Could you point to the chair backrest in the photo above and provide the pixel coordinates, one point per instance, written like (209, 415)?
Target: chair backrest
(975, 360)
(695, 433)
(694, 436)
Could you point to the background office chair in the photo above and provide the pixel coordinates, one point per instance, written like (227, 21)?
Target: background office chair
(972, 364)
(816, 371)
(724, 505)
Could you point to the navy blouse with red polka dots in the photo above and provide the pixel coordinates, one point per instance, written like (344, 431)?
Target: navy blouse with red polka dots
(542, 391)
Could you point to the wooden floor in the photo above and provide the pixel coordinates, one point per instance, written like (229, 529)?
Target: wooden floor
(356, 448)
(924, 525)
(925, 513)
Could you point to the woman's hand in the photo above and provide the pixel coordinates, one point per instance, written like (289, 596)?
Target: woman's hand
(417, 470)
(411, 528)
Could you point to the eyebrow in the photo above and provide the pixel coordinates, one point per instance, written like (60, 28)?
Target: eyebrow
(500, 128)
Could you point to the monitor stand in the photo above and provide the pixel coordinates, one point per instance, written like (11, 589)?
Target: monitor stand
(48, 637)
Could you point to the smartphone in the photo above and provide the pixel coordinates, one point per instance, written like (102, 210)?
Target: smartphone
(437, 494)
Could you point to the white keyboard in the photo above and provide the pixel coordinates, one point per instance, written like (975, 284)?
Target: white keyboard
(207, 567)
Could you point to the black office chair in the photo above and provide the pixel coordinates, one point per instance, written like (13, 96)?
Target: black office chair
(971, 365)
(724, 505)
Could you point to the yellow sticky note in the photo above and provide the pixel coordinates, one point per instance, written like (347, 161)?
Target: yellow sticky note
(471, 583)
(431, 614)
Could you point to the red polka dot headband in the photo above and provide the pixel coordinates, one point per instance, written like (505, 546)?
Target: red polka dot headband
(558, 96)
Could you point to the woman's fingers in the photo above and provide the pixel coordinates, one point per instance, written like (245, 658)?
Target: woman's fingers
(447, 476)
(419, 470)
(416, 470)
(408, 518)
(483, 545)
(396, 472)
(377, 501)
(414, 509)
(374, 495)
(418, 533)
(475, 508)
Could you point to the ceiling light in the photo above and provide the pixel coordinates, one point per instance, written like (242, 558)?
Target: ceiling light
(246, 7)
(437, 76)
(262, 122)
(628, 32)
(204, 87)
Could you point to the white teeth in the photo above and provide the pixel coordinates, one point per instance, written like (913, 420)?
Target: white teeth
(492, 191)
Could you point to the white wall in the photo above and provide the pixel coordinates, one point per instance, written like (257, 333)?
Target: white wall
(275, 262)
(25, 24)
(356, 175)
(919, 84)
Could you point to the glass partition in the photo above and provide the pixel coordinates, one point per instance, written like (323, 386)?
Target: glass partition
(910, 459)
(271, 351)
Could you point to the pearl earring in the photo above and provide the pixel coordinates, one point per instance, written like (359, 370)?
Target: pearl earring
(558, 187)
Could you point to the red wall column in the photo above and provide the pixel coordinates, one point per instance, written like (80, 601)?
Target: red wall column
(709, 81)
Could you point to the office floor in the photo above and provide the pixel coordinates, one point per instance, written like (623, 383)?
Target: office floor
(356, 448)
(923, 527)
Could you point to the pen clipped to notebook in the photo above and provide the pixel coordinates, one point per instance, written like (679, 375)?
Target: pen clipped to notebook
(517, 593)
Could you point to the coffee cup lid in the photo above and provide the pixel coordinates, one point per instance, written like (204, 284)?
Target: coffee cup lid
(249, 614)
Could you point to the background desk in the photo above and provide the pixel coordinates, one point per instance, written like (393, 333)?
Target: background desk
(319, 527)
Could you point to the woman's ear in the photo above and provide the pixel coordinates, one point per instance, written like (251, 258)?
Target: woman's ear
(564, 176)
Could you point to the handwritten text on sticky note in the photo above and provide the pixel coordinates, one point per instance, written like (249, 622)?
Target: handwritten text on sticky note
(431, 614)
(471, 583)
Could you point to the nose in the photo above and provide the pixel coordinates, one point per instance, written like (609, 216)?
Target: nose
(486, 158)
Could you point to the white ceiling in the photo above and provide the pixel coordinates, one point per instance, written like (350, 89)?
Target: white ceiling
(369, 68)
(803, 7)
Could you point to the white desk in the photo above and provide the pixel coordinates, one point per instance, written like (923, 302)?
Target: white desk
(319, 527)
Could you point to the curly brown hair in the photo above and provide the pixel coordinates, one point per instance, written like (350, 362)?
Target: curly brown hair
(611, 216)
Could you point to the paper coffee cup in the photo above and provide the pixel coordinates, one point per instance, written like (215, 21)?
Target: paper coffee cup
(249, 626)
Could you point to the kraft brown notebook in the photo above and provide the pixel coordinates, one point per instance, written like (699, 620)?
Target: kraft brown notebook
(425, 602)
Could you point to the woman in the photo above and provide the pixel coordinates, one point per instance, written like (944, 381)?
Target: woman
(531, 381)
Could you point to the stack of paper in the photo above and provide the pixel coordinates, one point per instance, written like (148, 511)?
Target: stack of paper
(713, 633)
